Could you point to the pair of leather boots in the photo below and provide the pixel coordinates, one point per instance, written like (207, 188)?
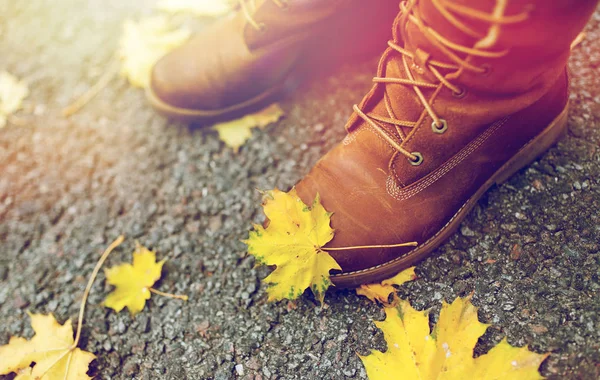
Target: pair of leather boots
(467, 92)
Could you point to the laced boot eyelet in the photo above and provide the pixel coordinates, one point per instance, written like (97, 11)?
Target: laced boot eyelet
(418, 161)
(487, 70)
(460, 94)
(439, 128)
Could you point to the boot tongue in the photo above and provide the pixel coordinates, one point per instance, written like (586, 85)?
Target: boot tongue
(404, 101)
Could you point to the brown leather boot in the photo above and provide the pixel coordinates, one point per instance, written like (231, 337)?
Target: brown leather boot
(478, 90)
(240, 63)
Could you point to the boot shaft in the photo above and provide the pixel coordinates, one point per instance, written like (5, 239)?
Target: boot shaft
(455, 67)
(528, 41)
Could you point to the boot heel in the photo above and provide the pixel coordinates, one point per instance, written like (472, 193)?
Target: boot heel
(536, 147)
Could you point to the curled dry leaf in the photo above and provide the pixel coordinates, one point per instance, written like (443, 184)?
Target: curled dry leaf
(52, 349)
(207, 8)
(143, 44)
(236, 132)
(12, 93)
(293, 243)
(447, 352)
(381, 292)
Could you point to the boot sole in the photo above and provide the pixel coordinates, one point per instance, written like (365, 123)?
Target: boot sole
(529, 153)
(208, 117)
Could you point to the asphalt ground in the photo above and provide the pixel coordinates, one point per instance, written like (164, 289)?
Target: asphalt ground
(68, 187)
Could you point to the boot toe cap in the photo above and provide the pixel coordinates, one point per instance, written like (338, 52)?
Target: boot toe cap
(177, 84)
(363, 215)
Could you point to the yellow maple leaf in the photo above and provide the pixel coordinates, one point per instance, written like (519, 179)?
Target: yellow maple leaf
(12, 93)
(447, 352)
(235, 133)
(208, 8)
(52, 349)
(133, 282)
(145, 42)
(381, 292)
(293, 242)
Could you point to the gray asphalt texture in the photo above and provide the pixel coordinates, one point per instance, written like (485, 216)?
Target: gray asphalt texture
(68, 187)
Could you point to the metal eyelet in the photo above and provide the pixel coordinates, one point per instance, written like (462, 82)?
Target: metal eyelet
(439, 128)
(418, 161)
(487, 70)
(460, 94)
(262, 27)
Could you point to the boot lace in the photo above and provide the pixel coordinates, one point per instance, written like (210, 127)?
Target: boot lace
(248, 7)
(410, 13)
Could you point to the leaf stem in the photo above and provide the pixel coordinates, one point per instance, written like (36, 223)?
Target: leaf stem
(85, 98)
(411, 244)
(103, 258)
(177, 296)
(579, 39)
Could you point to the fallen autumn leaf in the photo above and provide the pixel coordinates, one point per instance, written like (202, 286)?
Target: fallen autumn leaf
(145, 42)
(207, 8)
(12, 93)
(293, 242)
(446, 352)
(52, 349)
(236, 132)
(134, 282)
(381, 292)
